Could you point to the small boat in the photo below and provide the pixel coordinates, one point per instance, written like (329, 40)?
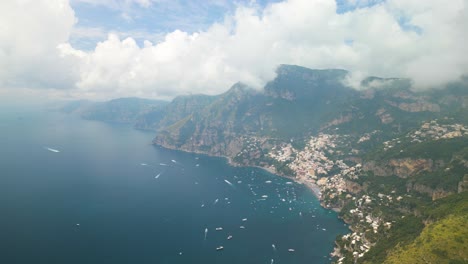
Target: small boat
(77, 224)
(244, 219)
(268, 182)
(289, 183)
(228, 182)
(291, 250)
(53, 150)
(242, 227)
(219, 228)
(174, 161)
(229, 237)
(219, 248)
(143, 164)
(264, 196)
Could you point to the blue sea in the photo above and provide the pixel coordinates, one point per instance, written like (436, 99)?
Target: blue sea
(109, 196)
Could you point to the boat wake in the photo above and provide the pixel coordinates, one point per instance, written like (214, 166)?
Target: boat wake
(52, 150)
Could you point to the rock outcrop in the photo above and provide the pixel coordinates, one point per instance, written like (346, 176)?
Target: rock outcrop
(402, 168)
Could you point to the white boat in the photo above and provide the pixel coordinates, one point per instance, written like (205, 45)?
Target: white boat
(268, 182)
(157, 176)
(242, 227)
(219, 228)
(143, 164)
(174, 161)
(244, 219)
(289, 183)
(291, 250)
(264, 196)
(53, 150)
(219, 248)
(229, 237)
(228, 182)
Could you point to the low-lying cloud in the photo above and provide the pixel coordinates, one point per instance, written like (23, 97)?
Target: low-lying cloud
(421, 40)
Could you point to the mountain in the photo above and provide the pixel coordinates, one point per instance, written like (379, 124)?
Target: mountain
(122, 110)
(386, 157)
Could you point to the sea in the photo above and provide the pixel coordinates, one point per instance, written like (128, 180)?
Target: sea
(85, 192)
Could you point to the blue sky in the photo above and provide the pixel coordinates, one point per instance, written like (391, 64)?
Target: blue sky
(151, 22)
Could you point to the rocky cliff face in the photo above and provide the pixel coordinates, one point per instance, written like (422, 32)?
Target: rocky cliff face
(402, 168)
(435, 194)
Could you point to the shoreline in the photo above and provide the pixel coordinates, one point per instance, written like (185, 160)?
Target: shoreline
(314, 188)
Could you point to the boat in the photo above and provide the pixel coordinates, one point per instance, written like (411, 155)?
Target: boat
(228, 182)
(242, 227)
(174, 161)
(244, 219)
(219, 228)
(229, 237)
(53, 150)
(268, 182)
(219, 248)
(291, 250)
(264, 196)
(289, 183)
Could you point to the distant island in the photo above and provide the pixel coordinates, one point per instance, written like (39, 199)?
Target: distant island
(391, 160)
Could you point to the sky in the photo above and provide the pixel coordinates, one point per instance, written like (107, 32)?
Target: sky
(105, 49)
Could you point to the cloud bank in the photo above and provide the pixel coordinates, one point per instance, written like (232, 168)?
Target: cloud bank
(421, 40)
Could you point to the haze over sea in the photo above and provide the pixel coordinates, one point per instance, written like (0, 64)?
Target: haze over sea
(100, 200)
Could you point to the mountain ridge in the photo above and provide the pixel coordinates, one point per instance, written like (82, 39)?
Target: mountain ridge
(377, 155)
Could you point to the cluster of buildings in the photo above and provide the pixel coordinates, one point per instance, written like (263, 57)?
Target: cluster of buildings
(431, 131)
(315, 165)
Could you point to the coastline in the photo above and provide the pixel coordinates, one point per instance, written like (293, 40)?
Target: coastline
(314, 188)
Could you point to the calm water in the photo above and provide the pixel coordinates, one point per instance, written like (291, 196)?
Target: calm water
(99, 180)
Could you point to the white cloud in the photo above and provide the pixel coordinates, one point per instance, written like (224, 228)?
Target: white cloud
(247, 47)
(30, 31)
